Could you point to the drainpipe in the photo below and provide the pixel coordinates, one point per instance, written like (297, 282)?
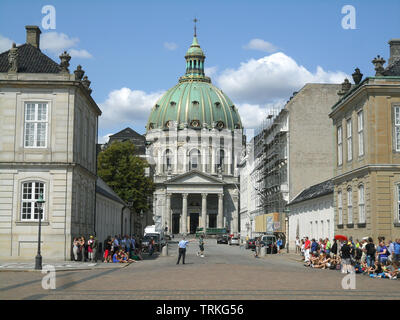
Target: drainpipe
(122, 219)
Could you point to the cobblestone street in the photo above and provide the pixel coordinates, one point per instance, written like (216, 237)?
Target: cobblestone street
(224, 273)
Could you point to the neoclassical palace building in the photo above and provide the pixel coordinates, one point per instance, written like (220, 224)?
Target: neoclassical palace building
(194, 138)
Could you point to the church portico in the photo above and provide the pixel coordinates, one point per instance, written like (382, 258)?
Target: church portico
(193, 200)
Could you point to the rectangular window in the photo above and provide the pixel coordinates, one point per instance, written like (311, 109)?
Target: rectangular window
(398, 203)
(349, 141)
(30, 194)
(397, 127)
(349, 206)
(361, 204)
(360, 133)
(35, 125)
(340, 146)
(340, 208)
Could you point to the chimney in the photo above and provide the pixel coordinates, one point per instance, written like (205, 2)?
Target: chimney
(33, 35)
(394, 50)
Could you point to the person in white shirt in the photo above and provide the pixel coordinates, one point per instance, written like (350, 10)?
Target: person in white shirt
(297, 245)
(182, 249)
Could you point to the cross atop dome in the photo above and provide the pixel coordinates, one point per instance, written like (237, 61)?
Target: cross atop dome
(195, 21)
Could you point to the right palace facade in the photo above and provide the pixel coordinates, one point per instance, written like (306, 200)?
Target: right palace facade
(367, 172)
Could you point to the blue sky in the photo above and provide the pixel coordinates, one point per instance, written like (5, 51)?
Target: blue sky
(126, 44)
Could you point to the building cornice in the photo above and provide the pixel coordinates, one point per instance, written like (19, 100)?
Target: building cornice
(53, 165)
(364, 88)
(52, 83)
(364, 170)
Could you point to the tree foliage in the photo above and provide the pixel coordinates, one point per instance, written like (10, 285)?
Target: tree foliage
(124, 172)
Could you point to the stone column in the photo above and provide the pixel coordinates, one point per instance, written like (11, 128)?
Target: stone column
(184, 213)
(204, 210)
(168, 216)
(220, 217)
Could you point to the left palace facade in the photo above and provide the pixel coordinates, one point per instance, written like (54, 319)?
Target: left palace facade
(48, 125)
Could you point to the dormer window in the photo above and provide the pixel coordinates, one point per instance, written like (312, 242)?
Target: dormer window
(168, 124)
(151, 125)
(237, 126)
(195, 103)
(217, 104)
(157, 105)
(172, 103)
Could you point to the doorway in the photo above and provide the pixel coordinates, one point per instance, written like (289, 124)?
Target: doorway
(212, 221)
(194, 221)
(175, 223)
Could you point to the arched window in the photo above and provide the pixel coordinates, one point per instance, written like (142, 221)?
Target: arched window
(349, 206)
(31, 192)
(221, 160)
(361, 204)
(194, 159)
(167, 163)
(340, 208)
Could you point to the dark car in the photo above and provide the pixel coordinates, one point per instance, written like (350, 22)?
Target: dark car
(251, 244)
(222, 239)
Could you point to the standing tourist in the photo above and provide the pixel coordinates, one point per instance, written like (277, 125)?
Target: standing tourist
(201, 246)
(346, 254)
(370, 252)
(182, 250)
(75, 248)
(334, 248)
(257, 247)
(307, 247)
(82, 244)
(298, 245)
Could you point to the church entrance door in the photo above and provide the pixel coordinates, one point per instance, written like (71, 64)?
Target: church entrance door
(175, 223)
(194, 222)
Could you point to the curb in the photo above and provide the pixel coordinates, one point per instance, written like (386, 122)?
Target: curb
(66, 269)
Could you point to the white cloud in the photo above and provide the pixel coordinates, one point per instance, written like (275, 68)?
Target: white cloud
(252, 115)
(210, 71)
(80, 54)
(5, 43)
(272, 77)
(170, 46)
(127, 107)
(56, 43)
(104, 139)
(261, 45)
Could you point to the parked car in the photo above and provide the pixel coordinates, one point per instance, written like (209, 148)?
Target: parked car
(251, 244)
(234, 240)
(222, 239)
(158, 243)
(269, 241)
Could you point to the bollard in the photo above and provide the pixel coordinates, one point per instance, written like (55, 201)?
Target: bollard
(164, 251)
(263, 251)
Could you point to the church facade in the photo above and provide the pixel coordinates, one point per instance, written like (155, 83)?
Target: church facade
(194, 139)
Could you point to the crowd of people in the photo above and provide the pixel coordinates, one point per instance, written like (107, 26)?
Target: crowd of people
(378, 261)
(115, 249)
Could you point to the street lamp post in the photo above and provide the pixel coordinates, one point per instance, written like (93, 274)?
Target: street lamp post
(287, 211)
(38, 259)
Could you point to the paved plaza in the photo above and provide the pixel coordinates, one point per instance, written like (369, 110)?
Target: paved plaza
(226, 272)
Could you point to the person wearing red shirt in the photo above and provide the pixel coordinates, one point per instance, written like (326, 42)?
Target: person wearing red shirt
(307, 246)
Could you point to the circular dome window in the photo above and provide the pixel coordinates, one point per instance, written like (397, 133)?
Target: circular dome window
(195, 123)
(220, 125)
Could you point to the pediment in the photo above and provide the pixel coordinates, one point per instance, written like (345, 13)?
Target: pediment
(194, 177)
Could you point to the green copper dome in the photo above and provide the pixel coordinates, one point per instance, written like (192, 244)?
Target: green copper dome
(194, 102)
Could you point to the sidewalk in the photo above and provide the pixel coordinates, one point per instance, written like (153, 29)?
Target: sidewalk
(58, 265)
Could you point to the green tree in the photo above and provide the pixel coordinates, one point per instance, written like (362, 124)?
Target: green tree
(124, 172)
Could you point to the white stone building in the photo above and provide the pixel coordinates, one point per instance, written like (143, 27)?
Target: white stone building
(312, 213)
(48, 124)
(195, 136)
